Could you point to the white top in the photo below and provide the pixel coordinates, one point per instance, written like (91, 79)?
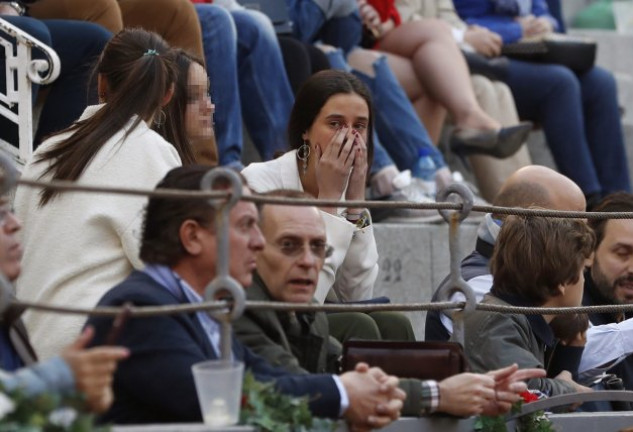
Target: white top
(607, 345)
(353, 267)
(80, 245)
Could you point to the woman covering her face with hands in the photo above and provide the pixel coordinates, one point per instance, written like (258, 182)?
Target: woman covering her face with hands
(330, 130)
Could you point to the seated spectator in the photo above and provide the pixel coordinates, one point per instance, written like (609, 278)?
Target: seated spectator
(578, 112)
(494, 96)
(414, 50)
(287, 270)
(401, 139)
(96, 240)
(179, 246)
(77, 368)
(78, 46)
(330, 130)
(537, 262)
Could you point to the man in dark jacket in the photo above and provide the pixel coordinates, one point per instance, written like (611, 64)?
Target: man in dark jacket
(179, 248)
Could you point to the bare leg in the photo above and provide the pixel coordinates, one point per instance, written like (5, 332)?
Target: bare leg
(440, 68)
(429, 111)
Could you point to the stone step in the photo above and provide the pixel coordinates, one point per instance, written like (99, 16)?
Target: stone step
(414, 259)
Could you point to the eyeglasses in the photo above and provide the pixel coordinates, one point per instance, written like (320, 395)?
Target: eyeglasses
(295, 248)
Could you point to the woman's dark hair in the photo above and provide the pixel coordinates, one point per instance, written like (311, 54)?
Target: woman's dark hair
(533, 256)
(175, 130)
(315, 93)
(138, 68)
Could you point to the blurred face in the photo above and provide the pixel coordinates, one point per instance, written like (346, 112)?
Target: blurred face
(10, 247)
(612, 269)
(245, 240)
(294, 253)
(343, 110)
(200, 109)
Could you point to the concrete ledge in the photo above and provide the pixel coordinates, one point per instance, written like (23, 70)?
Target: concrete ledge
(414, 259)
(586, 422)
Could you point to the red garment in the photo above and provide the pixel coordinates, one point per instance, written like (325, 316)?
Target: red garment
(201, 1)
(387, 10)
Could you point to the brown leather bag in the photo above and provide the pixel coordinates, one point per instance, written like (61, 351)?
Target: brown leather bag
(421, 360)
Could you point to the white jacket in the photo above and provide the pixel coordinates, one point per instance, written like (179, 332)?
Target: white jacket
(353, 267)
(80, 245)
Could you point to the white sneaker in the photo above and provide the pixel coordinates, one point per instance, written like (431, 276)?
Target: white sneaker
(408, 188)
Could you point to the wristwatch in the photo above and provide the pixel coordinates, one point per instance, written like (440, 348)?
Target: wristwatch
(17, 6)
(361, 220)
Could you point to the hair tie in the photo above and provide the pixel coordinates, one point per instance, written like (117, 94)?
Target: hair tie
(150, 52)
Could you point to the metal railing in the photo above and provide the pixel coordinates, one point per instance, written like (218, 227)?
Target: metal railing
(22, 71)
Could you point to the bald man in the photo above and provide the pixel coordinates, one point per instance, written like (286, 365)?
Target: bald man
(530, 186)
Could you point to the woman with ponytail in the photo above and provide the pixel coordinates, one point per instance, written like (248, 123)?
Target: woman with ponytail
(79, 245)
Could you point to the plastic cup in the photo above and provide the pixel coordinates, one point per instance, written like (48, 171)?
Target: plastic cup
(219, 387)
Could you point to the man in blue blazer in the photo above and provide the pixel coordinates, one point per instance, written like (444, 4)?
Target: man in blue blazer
(179, 248)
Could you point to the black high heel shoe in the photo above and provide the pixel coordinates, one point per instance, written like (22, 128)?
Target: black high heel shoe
(500, 143)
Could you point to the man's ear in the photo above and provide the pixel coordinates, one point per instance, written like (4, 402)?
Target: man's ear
(190, 238)
(561, 289)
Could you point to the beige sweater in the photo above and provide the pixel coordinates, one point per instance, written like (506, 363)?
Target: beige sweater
(80, 245)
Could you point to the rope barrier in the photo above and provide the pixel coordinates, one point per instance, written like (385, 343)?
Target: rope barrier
(69, 186)
(222, 307)
(152, 311)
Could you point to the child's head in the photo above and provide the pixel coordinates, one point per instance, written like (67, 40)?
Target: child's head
(537, 259)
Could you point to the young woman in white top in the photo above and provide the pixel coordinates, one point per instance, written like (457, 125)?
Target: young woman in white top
(330, 129)
(79, 245)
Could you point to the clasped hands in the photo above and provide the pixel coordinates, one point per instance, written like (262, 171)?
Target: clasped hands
(374, 398)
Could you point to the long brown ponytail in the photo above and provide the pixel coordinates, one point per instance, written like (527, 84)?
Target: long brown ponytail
(139, 70)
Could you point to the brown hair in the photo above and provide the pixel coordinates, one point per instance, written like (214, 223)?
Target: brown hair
(174, 129)
(315, 93)
(139, 71)
(616, 202)
(534, 255)
(160, 240)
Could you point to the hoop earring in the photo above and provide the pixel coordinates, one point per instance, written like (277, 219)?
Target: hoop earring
(303, 154)
(160, 118)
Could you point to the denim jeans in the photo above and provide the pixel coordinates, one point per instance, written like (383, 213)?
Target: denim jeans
(581, 121)
(341, 28)
(248, 79)
(78, 45)
(398, 127)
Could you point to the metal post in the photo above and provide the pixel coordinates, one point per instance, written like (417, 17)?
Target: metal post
(223, 284)
(457, 282)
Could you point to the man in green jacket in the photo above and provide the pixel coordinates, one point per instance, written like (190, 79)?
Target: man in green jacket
(287, 271)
